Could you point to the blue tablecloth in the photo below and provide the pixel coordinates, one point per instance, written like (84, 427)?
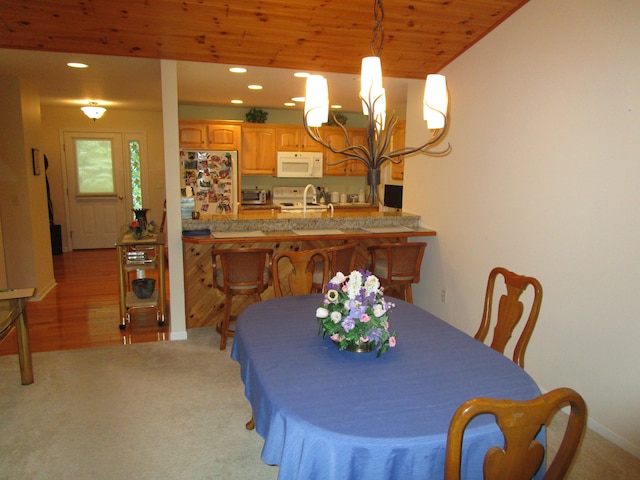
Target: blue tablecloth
(330, 414)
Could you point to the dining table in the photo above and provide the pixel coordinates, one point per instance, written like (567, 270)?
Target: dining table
(326, 413)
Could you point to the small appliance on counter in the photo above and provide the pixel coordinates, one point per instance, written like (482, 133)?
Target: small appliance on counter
(254, 197)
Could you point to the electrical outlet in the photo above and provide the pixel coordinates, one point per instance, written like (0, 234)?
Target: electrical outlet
(443, 295)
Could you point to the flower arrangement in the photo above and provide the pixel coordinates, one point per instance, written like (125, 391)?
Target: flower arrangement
(139, 231)
(354, 314)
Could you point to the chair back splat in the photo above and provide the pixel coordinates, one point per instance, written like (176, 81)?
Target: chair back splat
(510, 310)
(301, 266)
(520, 422)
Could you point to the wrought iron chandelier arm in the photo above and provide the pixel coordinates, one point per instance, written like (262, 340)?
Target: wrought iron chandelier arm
(350, 152)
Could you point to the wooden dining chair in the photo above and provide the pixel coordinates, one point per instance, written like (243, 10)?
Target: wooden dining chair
(342, 258)
(398, 265)
(510, 311)
(520, 423)
(298, 272)
(239, 271)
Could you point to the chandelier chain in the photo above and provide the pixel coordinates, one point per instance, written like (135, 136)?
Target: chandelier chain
(377, 37)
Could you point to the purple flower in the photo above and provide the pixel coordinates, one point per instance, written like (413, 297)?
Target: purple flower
(348, 324)
(375, 334)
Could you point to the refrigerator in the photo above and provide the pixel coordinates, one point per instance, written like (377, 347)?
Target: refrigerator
(209, 181)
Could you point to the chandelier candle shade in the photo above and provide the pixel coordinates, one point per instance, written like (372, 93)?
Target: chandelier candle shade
(355, 315)
(380, 126)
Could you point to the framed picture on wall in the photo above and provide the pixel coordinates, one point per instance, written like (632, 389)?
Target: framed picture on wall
(35, 157)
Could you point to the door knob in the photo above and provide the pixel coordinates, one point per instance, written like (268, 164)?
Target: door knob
(120, 197)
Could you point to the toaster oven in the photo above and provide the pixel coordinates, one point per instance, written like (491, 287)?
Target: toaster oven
(254, 197)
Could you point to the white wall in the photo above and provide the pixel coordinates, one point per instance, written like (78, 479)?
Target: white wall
(23, 195)
(58, 119)
(543, 180)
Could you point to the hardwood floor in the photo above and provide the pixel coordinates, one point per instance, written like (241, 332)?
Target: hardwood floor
(82, 310)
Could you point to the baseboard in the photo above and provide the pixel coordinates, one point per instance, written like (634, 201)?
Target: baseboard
(613, 437)
(604, 432)
(43, 292)
(178, 335)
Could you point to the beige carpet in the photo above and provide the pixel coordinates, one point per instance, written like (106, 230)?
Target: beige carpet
(173, 410)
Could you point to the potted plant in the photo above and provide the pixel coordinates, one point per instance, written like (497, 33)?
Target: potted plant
(256, 115)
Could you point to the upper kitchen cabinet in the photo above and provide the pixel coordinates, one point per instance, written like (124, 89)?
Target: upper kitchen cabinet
(223, 136)
(208, 135)
(258, 150)
(335, 136)
(397, 170)
(295, 139)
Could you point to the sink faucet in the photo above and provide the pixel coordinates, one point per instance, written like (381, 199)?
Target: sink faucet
(304, 198)
(330, 206)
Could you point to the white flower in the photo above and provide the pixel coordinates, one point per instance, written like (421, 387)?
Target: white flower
(378, 310)
(354, 284)
(372, 284)
(322, 312)
(336, 317)
(338, 279)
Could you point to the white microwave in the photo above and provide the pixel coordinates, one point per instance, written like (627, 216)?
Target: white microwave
(299, 165)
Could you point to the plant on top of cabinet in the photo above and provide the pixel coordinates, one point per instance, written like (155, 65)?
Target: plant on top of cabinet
(335, 118)
(256, 115)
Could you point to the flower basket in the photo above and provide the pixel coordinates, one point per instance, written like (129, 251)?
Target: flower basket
(355, 315)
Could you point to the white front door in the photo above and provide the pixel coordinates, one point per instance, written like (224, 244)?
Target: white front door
(97, 188)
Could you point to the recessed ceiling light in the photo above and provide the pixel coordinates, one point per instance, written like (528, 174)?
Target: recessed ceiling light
(301, 74)
(289, 104)
(298, 99)
(77, 65)
(237, 101)
(336, 106)
(255, 87)
(238, 70)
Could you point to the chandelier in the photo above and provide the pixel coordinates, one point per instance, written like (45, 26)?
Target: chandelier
(380, 126)
(93, 111)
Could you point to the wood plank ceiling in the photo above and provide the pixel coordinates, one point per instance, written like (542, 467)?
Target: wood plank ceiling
(420, 36)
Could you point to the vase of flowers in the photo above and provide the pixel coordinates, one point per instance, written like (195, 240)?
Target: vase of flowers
(138, 231)
(355, 315)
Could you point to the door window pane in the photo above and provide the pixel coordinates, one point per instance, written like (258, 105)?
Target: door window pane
(134, 167)
(95, 167)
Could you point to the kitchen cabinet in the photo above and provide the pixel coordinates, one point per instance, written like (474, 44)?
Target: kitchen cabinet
(397, 171)
(335, 136)
(295, 139)
(223, 136)
(192, 135)
(258, 150)
(209, 135)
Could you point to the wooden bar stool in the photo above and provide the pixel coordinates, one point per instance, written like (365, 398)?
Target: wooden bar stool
(342, 258)
(397, 264)
(239, 271)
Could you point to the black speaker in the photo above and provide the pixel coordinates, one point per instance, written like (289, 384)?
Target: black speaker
(56, 239)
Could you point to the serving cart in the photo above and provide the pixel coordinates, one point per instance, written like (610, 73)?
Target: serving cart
(140, 256)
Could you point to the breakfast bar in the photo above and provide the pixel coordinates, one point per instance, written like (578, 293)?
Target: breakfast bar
(279, 231)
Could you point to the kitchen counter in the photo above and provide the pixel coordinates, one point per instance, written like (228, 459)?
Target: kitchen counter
(274, 220)
(279, 231)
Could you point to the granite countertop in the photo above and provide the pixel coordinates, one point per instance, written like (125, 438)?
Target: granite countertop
(273, 220)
